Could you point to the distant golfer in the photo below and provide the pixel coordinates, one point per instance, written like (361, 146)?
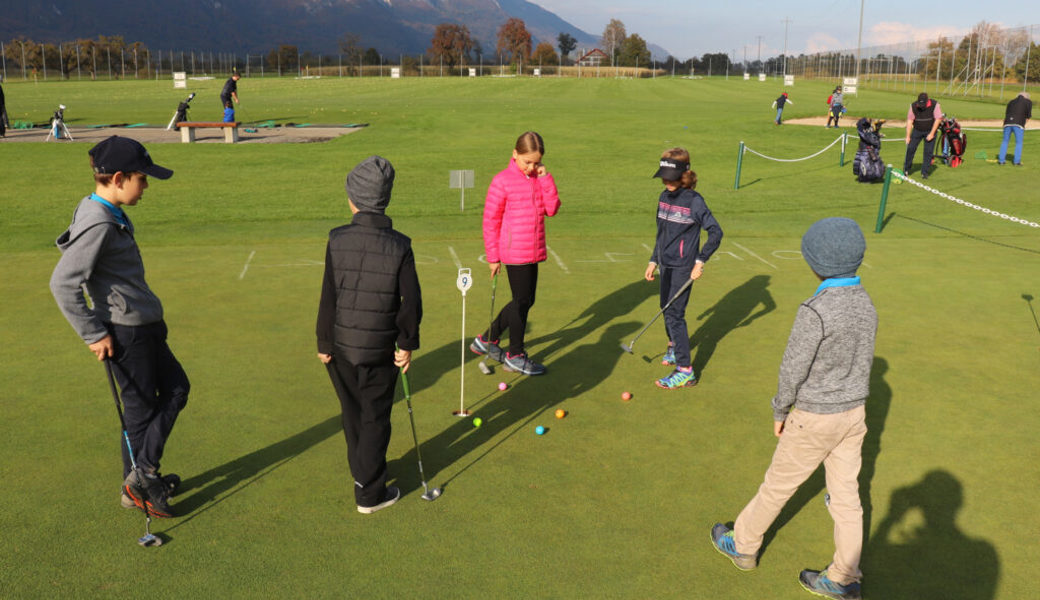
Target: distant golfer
(678, 255)
(229, 97)
(518, 200)
(370, 304)
(835, 103)
(778, 104)
(3, 110)
(123, 320)
(1017, 113)
(819, 412)
(922, 120)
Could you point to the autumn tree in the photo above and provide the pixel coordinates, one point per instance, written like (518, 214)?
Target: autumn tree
(514, 41)
(566, 43)
(283, 56)
(350, 47)
(633, 52)
(544, 55)
(450, 43)
(613, 35)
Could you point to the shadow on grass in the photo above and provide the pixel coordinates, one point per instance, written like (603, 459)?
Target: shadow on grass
(573, 370)
(220, 483)
(919, 552)
(961, 233)
(877, 412)
(731, 311)
(1029, 301)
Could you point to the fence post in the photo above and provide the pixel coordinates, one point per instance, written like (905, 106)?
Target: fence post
(884, 199)
(740, 160)
(844, 140)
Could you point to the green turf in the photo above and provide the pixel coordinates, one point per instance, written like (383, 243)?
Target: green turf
(617, 499)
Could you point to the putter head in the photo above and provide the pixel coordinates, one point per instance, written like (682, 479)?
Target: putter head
(461, 413)
(627, 348)
(484, 368)
(431, 495)
(149, 540)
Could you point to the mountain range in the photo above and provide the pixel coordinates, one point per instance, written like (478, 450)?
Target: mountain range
(258, 26)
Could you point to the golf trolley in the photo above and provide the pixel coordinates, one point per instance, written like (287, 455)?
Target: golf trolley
(181, 113)
(58, 129)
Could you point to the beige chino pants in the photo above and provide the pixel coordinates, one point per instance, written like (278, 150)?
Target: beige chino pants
(807, 440)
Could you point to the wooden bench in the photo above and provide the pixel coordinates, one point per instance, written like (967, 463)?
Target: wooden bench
(188, 130)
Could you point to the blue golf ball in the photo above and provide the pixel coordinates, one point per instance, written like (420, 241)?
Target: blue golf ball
(539, 430)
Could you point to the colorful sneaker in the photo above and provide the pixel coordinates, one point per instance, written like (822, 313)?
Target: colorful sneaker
(148, 490)
(520, 363)
(722, 539)
(678, 379)
(817, 582)
(669, 356)
(481, 346)
(391, 496)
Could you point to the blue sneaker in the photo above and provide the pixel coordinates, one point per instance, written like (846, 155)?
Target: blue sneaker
(520, 363)
(678, 379)
(482, 346)
(722, 539)
(669, 356)
(817, 582)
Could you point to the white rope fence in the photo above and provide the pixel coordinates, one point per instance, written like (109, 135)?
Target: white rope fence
(839, 138)
(981, 209)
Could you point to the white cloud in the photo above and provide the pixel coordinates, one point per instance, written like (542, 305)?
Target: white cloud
(890, 32)
(822, 42)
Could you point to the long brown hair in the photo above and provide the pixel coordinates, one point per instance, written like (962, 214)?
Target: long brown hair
(528, 142)
(689, 178)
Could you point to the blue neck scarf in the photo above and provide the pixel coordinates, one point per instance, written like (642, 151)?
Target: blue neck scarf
(115, 210)
(837, 282)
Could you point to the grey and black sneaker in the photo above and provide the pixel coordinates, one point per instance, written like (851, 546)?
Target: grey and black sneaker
(817, 582)
(148, 491)
(482, 346)
(520, 363)
(722, 539)
(390, 496)
(172, 482)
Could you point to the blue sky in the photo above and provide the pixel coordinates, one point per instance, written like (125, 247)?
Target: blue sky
(688, 28)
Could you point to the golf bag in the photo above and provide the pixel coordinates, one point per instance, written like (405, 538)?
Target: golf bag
(867, 166)
(952, 141)
(182, 111)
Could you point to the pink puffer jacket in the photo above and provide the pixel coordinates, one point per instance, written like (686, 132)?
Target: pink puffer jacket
(514, 216)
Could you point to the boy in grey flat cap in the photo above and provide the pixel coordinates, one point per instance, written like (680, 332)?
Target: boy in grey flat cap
(368, 325)
(818, 411)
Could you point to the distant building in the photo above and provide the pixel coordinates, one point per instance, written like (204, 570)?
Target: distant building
(593, 58)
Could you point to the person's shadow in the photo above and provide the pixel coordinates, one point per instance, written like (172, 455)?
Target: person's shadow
(876, 413)
(919, 552)
(733, 310)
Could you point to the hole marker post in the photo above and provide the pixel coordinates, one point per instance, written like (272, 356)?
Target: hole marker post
(844, 141)
(463, 282)
(884, 199)
(460, 180)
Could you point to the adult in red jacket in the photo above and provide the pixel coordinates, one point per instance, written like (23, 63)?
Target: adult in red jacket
(518, 200)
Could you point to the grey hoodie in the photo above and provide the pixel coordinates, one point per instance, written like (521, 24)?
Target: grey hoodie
(100, 254)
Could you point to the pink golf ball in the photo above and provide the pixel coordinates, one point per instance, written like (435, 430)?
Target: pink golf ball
(503, 386)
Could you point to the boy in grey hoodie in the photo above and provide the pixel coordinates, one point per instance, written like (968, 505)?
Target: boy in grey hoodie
(818, 411)
(123, 321)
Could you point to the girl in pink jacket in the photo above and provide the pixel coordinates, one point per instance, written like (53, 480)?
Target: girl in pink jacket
(518, 200)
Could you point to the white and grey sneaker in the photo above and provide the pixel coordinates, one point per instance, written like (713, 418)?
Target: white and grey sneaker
(520, 363)
(392, 495)
(482, 346)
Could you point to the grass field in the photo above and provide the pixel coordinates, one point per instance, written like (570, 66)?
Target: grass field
(617, 499)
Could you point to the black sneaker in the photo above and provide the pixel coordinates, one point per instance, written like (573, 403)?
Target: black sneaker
(148, 491)
(390, 496)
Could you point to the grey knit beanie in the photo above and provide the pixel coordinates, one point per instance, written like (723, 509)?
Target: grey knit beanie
(834, 247)
(370, 183)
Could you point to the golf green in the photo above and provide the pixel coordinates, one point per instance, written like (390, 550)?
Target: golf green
(616, 499)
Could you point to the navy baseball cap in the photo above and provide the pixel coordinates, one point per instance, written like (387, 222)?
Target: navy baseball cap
(126, 155)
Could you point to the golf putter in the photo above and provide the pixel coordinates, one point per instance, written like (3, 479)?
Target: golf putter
(428, 494)
(482, 365)
(148, 540)
(628, 347)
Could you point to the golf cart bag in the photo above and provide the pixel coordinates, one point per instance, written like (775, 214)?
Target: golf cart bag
(867, 165)
(952, 141)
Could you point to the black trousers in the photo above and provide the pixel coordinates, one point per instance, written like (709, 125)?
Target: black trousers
(366, 396)
(154, 390)
(915, 138)
(523, 281)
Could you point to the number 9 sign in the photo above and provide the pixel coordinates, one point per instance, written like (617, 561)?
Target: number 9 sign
(465, 280)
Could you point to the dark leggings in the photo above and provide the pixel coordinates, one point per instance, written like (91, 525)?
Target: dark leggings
(523, 280)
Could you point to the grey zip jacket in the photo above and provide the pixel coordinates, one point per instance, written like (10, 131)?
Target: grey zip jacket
(100, 257)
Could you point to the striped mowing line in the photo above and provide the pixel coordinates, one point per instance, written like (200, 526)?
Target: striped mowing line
(455, 258)
(245, 267)
(754, 255)
(558, 260)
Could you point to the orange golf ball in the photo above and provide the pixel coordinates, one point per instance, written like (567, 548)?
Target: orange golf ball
(560, 413)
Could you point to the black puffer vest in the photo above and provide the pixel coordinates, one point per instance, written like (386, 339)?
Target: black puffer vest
(366, 259)
(924, 117)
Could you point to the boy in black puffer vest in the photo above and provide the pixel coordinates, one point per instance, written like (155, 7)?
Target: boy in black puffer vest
(370, 304)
